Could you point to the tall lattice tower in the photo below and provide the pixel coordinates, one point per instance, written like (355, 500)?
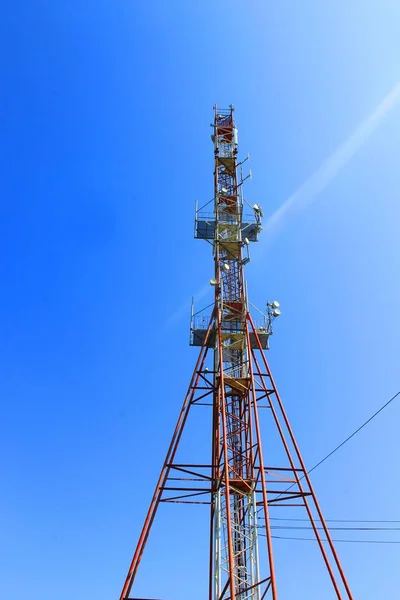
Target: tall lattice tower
(241, 488)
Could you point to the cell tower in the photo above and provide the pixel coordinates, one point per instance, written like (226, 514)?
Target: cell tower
(241, 484)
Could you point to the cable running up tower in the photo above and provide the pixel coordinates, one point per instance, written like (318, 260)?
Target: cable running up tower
(239, 487)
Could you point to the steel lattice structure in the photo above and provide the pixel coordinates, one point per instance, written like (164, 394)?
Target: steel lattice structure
(237, 484)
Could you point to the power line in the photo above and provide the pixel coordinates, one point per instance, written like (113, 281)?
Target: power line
(297, 527)
(335, 520)
(348, 541)
(354, 433)
(344, 441)
(279, 537)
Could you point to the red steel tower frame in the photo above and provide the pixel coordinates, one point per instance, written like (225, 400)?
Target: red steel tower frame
(237, 483)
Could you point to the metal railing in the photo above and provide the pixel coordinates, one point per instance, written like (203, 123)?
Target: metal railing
(225, 217)
(201, 322)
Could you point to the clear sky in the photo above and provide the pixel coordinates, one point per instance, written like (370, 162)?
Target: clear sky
(105, 110)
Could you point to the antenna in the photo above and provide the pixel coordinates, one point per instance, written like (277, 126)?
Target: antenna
(242, 483)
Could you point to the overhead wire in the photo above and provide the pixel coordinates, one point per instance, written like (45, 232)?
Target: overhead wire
(318, 464)
(279, 537)
(345, 441)
(354, 433)
(297, 527)
(335, 520)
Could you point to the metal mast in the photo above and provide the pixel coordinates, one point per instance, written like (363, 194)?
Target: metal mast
(234, 503)
(239, 487)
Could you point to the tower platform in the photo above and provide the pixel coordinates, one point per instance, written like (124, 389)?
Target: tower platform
(205, 225)
(199, 327)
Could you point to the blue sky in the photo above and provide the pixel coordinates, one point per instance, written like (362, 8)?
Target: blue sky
(105, 110)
